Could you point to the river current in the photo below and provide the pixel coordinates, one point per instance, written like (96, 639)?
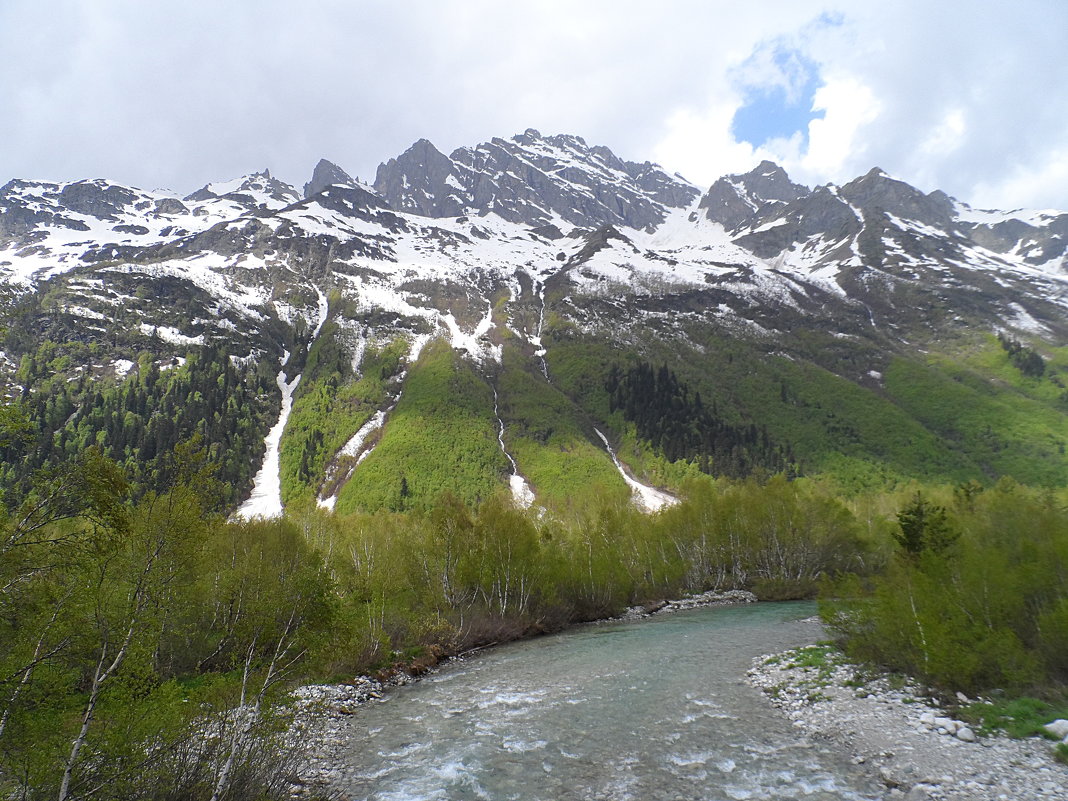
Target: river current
(648, 710)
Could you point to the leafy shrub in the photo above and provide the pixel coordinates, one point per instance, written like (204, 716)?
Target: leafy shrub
(988, 611)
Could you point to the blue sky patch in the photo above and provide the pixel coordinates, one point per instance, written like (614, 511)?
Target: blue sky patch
(779, 85)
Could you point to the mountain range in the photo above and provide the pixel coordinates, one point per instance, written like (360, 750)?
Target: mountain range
(533, 315)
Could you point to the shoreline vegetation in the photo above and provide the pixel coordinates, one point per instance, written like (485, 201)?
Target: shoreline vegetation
(149, 645)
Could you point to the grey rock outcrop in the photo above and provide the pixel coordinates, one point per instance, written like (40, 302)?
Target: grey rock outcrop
(1037, 244)
(820, 213)
(325, 174)
(723, 203)
(253, 190)
(738, 200)
(417, 181)
(170, 205)
(96, 198)
(878, 191)
(532, 179)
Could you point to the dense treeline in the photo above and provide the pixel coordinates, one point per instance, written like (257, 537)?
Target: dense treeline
(678, 425)
(1027, 360)
(976, 596)
(480, 575)
(138, 421)
(145, 643)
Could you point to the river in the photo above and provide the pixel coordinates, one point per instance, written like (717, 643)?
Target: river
(648, 710)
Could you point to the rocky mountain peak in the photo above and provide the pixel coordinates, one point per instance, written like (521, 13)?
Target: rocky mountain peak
(258, 190)
(877, 191)
(533, 179)
(529, 136)
(325, 174)
(769, 181)
(417, 181)
(737, 200)
(96, 198)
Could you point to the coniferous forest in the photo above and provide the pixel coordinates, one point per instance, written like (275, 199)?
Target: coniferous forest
(676, 423)
(138, 421)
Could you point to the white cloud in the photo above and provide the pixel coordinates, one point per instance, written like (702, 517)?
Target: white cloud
(834, 143)
(972, 99)
(698, 144)
(968, 97)
(947, 136)
(1040, 186)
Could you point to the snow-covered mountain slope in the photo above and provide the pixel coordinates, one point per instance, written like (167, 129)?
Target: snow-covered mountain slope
(497, 244)
(542, 207)
(47, 229)
(536, 180)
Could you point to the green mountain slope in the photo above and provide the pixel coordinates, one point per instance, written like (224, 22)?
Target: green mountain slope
(441, 436)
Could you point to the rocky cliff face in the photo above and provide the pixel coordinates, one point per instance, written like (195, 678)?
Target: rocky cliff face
(325, 174)
(533, 180)
(542, 206)
(545, 207)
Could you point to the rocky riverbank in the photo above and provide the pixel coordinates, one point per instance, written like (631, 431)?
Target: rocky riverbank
(710, 598)
(913, 744)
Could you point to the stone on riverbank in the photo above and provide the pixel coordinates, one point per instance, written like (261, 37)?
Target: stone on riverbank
(1058, 729)
(710, 598)
(907, 740)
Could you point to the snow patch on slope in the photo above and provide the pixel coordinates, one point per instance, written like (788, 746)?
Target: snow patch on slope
(266, 498)
(522, 494)
(648, 498)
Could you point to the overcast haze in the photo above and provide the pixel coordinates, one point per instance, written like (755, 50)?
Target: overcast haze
(968, 97)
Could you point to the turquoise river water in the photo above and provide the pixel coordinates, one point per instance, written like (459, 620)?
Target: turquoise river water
(654, 710)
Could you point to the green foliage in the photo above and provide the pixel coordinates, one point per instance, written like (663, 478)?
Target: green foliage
(1017, 717)
(923, 526)
(815, 656)
(818, 661)
(778, 539)
(552, 439)
(110, 606)
(16, 429)
(441, 436)
(138, 422)
(329, 408)
(454, 577)
(966, 414)
(1027, 360)
(993, 429)
(989, 612)
(677, 424)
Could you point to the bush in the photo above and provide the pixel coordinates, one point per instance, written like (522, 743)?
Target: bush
(989, 610)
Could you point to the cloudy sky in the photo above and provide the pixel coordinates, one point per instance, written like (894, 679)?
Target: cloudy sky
(970, 96)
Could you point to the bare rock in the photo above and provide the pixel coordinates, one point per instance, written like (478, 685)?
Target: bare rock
(1058, 728)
